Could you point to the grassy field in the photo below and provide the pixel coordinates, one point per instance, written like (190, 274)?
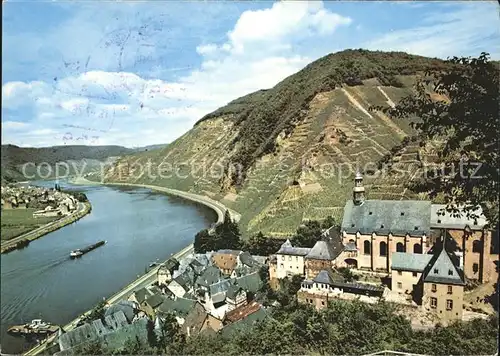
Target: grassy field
(16, 222)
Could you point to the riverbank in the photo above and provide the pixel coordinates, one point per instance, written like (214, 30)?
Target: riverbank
(139, 283)
(218, 207)
(24, 240)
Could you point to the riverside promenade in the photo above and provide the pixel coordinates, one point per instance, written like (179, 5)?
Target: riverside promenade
(143, 281)
(83, 209)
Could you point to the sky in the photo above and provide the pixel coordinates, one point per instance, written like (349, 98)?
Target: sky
(140, 73)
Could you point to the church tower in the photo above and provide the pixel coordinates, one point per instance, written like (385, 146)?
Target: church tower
(358, 192)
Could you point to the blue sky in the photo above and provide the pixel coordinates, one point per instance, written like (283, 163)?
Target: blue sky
(140, 73)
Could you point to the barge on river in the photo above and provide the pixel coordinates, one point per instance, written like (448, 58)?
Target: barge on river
(37, 327)
(83, 251)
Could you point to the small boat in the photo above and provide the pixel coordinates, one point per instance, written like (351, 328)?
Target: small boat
(80, 252)
(37, 327)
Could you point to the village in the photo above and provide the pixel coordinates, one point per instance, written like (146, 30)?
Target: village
(408, 253)
(48, 202)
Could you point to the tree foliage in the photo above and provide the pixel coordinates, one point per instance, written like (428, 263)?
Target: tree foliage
(307, 234)
(458, 106)
(347, 328)
(226, 236)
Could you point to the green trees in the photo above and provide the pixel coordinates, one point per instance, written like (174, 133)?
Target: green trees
(328, 222)
(97, 312)
(307, 234)
(226, 236)
(347, 327)
(458, 107)
(203, 241)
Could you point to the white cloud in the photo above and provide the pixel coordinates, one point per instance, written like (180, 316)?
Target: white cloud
(447, 33)
(284, 19)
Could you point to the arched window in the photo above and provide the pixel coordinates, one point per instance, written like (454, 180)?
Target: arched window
(476, 246)
(367, 248)
(400, 247)
(417, 248)
(383, 248)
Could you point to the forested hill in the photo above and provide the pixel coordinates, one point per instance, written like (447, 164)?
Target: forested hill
(13, 157)
(298, 143)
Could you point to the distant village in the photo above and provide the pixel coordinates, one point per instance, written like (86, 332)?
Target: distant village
(405, 252)
(48, 202)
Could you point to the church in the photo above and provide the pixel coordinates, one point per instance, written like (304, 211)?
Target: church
(373, 230)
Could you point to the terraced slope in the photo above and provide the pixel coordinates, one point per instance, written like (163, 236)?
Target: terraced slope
(278, 165)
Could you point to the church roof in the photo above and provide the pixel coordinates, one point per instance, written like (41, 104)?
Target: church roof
(399, 217)
(450, 220)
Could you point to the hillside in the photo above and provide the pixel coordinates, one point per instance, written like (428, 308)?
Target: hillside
(77, 157)
(289, 153)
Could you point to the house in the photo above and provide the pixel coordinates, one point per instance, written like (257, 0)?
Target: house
(323, 255)
(140, 296)
(406, 271)
(290, 260)
(180, 307)
(183, 283)
(198, 320)
(226, 260)
(151, 303)
(442, 285)
(235, 297)
(166, 271)
(435, 280)
(327, 285)
(243, 318)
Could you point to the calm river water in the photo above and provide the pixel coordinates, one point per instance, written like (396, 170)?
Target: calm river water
(139, 226)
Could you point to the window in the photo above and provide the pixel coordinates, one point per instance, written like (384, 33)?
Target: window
(439, 221)
(449, 304)
(436, 271)
(322, 302)
(282, 258)
(450, 289)
(383, 248)
(400, 247)
(296, 258)
(281, 265)
(433, 288)
(450, 272)
(381, 226)
(414, 274)
(370, 213)
(400, 273)
(417, 248)
(400, 285)
(367, 248)
(402, 214)
(416, 228)
(297, 267)
(476, 246)
(352, 225)
(434, 302)
(475, 268)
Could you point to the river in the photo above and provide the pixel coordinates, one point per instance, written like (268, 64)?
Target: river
(140, 227)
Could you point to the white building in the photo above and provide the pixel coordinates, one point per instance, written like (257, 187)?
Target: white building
(290, 260)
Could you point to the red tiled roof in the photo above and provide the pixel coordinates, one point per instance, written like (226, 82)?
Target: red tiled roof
(241, 312)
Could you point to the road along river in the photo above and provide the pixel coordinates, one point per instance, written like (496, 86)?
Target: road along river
(140, 227)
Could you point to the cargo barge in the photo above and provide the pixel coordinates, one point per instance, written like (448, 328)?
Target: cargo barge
(37, 327)
(80, 252)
